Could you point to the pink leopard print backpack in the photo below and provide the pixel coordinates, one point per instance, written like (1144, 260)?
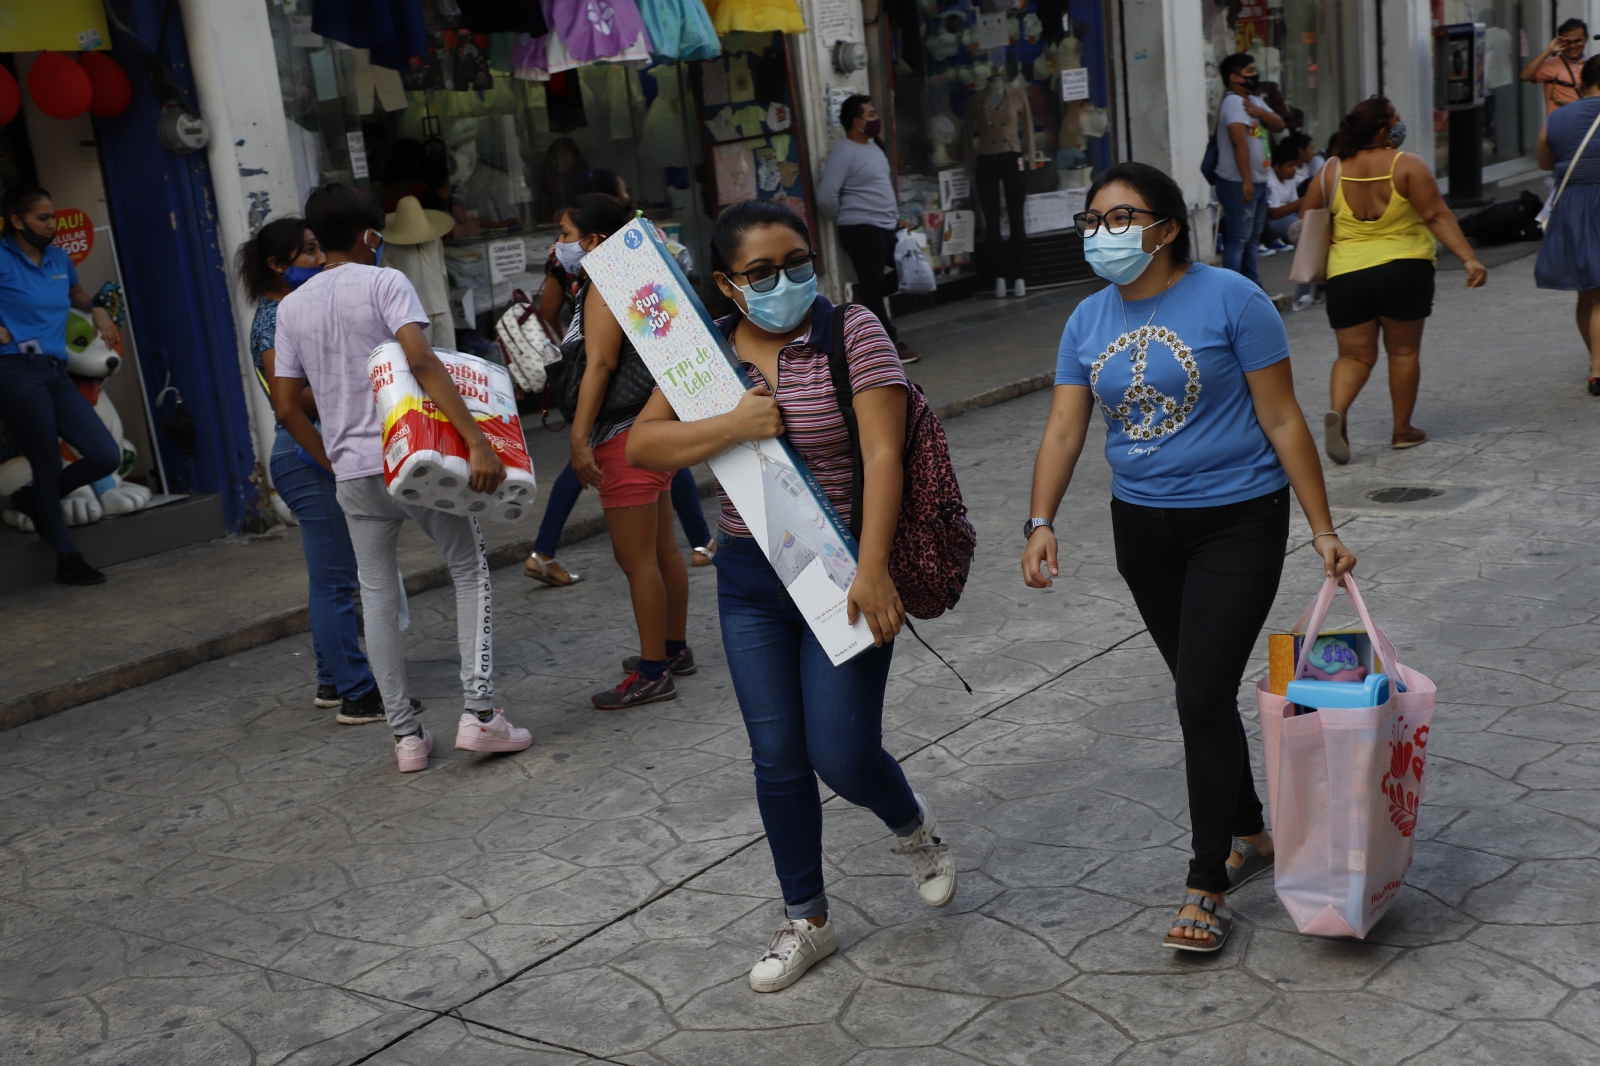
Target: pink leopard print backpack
(933, 543)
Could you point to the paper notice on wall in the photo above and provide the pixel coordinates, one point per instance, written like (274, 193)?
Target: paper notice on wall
(767, 481)
(358, 154)
(714, 83)
(1075, 84)
(507, 259)
(953, 186)
(836, 20)
(1046, 212)
(992, 31)
(958, 236)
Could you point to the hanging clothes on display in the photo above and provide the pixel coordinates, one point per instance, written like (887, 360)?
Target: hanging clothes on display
(756, 16)
(1002, 121)
(391, 30)
(679, 29)
(596, 30)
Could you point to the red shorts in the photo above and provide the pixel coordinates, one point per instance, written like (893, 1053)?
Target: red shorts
(622, 485)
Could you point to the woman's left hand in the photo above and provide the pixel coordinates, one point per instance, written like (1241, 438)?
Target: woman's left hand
(1477, 274)
(873, 594)
(1337, 560)
(105, 327)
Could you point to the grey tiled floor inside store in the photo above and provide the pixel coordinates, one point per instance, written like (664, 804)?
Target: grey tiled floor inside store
(207, 870)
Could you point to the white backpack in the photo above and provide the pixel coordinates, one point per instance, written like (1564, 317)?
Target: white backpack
(527, 342)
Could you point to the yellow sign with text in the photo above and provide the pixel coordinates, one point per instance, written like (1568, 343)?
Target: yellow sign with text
(60, 26)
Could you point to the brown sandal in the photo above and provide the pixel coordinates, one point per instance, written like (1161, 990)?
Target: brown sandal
(1335, 438)
(539, 570)
(1410, 439)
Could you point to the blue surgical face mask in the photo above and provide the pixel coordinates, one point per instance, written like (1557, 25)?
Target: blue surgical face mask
(783, 308)
(1118, 257)
(569, 254)
(297, 276)
(1397, 133)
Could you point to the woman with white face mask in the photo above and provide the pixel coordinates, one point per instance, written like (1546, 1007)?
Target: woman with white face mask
(806, 718)
(1189, 366)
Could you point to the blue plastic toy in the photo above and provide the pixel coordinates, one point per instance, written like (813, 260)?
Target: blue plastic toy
(1373, 691)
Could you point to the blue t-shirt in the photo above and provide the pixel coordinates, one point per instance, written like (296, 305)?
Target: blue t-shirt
(33, 299)
(1181, 429)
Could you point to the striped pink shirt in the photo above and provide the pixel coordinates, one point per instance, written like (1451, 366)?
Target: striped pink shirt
(811, 418)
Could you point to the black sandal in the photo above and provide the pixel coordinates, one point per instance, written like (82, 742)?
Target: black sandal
(1253, 866)
(1217, 922)
(1594, 386)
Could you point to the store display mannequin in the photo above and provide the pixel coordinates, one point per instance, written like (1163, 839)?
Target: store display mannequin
(1001, 120)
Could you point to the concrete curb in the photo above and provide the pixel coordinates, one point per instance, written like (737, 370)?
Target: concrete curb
(31, 706)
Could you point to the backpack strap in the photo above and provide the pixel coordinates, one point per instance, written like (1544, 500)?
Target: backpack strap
(844, 394)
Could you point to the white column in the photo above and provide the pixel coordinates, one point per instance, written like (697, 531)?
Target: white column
(817, 84)
(1187, 127)
(1408, 70)
(236, 75)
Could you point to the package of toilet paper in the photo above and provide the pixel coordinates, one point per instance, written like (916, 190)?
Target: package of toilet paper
(424, 458)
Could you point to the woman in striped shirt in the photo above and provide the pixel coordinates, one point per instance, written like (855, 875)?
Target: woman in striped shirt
(806, 717)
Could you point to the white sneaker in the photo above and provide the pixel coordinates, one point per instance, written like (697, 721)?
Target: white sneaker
(794, 948)
(1302, 302)
(933, 868)
(412, 752)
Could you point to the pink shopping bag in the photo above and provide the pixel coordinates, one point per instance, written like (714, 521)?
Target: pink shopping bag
(1344, 786)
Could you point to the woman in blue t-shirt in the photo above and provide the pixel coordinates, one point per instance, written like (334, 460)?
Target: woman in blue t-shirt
(1189, 366)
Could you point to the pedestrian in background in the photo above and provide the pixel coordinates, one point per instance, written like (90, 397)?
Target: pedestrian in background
(1283, 205)
(280, 258)
(38, 401)
(1558, 67)
(1386, 212)
(1243, 120)
(636, 501)
(1190, 367)
(857, 193)
(806, 717)
(327, 328)
(1569, 258)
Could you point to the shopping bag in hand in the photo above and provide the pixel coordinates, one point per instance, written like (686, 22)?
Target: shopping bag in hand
(1344, 786)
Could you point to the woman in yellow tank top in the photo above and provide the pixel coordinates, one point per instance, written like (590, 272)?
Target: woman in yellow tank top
(1386, 213)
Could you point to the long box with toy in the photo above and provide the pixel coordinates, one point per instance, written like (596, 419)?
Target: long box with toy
(767, 481)
(1338, 655)
(424, 458)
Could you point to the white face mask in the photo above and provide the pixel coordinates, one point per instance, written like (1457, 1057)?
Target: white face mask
(569, 254)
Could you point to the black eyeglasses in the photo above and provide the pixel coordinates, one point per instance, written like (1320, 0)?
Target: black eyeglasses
(801, 269)
(1117, 220)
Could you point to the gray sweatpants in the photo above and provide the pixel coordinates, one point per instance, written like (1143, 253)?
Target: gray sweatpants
(374, 519)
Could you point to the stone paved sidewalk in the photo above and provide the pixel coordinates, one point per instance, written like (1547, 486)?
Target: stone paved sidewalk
(206, 870)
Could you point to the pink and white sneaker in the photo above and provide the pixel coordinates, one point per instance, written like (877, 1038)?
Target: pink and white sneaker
(412, 752)
(496, 734)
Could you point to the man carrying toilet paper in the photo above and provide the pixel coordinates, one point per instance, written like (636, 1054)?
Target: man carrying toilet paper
(326, 330)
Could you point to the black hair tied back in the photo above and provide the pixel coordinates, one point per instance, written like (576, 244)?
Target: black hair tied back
(739, 219)
(1160, 194)
(280, 240)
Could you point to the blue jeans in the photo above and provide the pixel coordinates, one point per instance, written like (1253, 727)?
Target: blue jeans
(806, 719)
(331, 564)
(1242, 225)
(39, 403)
(567, 488)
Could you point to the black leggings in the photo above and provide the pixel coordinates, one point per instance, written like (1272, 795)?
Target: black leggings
(1204, 579)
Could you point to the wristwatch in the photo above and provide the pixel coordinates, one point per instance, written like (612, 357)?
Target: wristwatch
(1034, 523)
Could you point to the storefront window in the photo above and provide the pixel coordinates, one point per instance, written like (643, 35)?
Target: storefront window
(944, 54)
(502, 153)
(1306, 52)
(1513, 110)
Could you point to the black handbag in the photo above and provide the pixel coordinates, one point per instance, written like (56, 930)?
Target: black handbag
(628, 390)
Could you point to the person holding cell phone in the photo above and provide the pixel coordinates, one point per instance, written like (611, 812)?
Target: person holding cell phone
(38, 401)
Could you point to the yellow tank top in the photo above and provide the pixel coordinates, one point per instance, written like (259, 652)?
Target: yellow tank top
(1399, 233)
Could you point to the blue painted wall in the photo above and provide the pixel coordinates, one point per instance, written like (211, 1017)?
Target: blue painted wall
(163, 213)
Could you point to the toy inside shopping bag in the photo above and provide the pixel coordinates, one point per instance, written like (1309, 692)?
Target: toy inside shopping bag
(1337, 655)
(424, 458)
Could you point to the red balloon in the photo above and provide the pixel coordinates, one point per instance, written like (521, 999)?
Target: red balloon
(10, 96)
(59, 86)
(112, 91)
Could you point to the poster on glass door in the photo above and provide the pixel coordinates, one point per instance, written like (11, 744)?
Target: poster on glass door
(768, 483)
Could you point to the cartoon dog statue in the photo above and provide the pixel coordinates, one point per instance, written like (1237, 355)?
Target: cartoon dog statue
(90, 362)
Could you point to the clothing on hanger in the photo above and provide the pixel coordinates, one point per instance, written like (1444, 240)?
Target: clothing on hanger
(504, 16)
(391, 30)
(592, 30)
(679, 29)
(756, 16)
